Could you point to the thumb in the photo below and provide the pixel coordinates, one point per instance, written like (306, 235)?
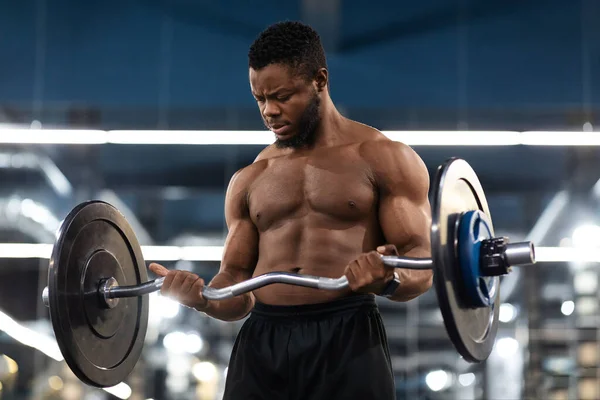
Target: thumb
(158, 269)
(388, 250)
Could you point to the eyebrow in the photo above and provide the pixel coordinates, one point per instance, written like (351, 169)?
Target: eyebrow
(276, 92)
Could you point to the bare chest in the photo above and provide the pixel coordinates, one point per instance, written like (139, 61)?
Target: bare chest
(332, 187)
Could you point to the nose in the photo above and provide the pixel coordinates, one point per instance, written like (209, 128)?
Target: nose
(271, 109)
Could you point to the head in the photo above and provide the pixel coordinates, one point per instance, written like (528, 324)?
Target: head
(288, 77)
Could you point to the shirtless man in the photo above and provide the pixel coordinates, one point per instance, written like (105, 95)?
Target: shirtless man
(328, 198)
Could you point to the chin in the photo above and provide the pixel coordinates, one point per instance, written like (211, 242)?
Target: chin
(284, 143)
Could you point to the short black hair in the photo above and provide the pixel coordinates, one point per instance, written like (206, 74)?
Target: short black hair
(290, 43)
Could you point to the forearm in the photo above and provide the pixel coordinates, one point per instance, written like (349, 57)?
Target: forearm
(232, 309)
(413, 282)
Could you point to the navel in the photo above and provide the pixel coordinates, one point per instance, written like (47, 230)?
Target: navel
(351, 204)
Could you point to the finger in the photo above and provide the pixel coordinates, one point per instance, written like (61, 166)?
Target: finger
(197, 289)
(198, 286)
(187, 284)
(158, 269)
(365, 266)
(374, 258)
(388, 250)
(351, 276)
(178, 280)
(166, 286)
(377, 268)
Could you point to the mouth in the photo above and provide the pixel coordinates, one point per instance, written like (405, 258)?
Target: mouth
(279, 129)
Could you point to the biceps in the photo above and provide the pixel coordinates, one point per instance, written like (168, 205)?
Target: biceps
(407, 224)
(240, 253)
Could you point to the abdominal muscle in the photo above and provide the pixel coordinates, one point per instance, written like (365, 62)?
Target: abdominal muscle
(315, 251)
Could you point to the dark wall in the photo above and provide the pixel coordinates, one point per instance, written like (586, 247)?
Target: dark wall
(440, 54)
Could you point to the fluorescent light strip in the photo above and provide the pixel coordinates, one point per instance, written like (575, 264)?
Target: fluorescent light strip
(534, 138)
(191, 137)
(567, 254)
(455, 138)
(52, 136)
(263, 138)
(154, 253)
(30, 337)
(25, 250)
(214, 253)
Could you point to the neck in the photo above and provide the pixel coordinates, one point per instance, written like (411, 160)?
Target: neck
(329, 132)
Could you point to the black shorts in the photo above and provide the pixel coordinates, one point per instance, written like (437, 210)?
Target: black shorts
(331, 351)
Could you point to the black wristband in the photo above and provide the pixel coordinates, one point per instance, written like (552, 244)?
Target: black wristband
(391, 287)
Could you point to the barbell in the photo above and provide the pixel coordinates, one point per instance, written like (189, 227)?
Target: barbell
(97, 278)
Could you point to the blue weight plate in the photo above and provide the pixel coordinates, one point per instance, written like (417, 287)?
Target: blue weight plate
(455, 190)
(100, 345)
(474, 227)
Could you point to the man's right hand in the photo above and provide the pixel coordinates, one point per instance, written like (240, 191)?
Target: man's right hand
(183, 286)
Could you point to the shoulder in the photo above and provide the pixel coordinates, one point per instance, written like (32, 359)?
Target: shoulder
(395, 165)
(238, 190)
(383, 150)
(373, 145)
(240, 181)
(245, 176)
(380, 151)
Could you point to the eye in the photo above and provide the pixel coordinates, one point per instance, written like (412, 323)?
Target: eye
(283, 99)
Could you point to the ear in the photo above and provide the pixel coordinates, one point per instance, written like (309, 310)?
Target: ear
(321, 79)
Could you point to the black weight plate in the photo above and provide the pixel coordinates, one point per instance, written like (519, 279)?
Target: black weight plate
(101, 345)
(456, 189)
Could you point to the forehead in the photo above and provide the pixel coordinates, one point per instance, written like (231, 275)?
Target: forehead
(273, 77)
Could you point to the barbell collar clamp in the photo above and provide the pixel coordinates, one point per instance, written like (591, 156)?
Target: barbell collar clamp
(520, 253)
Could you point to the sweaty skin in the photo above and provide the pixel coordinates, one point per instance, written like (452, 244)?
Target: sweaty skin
(321, 209)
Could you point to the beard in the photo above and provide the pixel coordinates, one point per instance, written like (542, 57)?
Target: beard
(307, 127)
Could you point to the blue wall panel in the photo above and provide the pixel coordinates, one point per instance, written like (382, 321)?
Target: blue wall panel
(430, 54)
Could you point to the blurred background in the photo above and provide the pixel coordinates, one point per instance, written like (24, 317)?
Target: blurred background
(452, 66)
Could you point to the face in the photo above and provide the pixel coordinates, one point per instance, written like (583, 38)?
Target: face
(289, 105)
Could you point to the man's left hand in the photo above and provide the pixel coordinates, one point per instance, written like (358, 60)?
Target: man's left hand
(368, 273)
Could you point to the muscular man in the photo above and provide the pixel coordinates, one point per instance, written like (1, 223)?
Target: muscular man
(328, 198)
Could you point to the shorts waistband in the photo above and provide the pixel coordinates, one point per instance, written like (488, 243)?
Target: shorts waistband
(315, 310)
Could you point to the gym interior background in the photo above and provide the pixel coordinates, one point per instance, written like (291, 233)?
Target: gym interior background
(491, 68)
